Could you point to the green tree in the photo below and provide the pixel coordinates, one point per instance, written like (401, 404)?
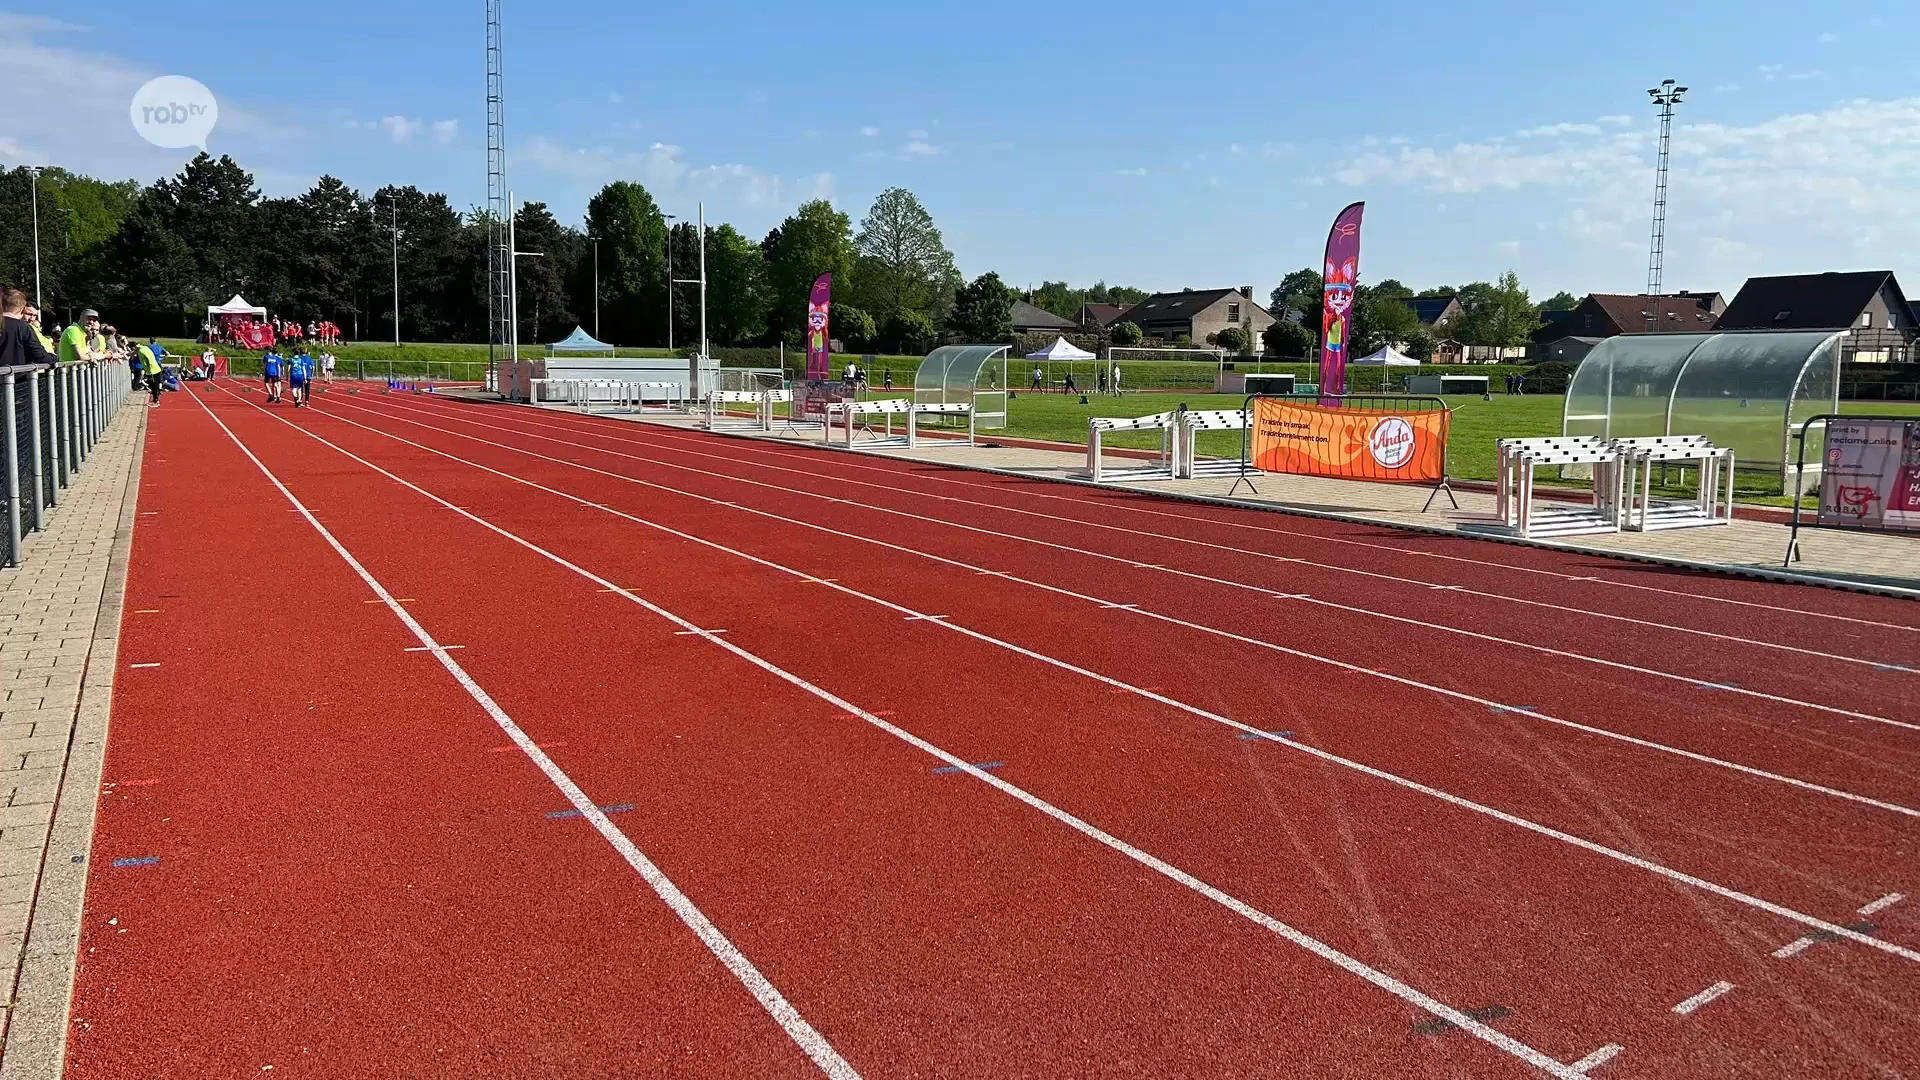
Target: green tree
(1299, 292)
(215, 211)
(1380, 319)
(155, 266)
(438, 293)
(737, 284)
(909, 334)
(1561, 301)
(544, 308)
(1102, 293)
(1233, 339)
(903, 261)
(1126, 334)
(633, 263)
(1498, 314)
(853, 327)
(16, 239)
(1419, 345)
(983, 312)
(1438, 291)
(815, 240)
(1288, 338)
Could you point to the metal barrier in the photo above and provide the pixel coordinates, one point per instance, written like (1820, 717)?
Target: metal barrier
(54, 416)
(1868, 478)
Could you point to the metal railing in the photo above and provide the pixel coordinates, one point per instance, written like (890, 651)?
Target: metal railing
(55, 416)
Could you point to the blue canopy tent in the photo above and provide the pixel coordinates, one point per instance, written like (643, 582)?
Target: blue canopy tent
(579, 343)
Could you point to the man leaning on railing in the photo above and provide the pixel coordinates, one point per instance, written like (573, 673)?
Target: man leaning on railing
(19, 344)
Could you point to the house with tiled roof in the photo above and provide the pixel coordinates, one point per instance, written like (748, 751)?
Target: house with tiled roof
(1197, 314)
(1437, 314)
(1869, 304)
(1604, 315)
(1101, 316)
(1032, 319)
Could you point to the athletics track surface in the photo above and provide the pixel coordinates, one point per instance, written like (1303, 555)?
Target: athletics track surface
(467, 741)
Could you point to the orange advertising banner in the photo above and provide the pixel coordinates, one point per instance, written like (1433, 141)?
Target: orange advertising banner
(1356, 444)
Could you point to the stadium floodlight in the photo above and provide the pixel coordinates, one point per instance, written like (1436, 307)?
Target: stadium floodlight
(33, 176)
(1665, 97)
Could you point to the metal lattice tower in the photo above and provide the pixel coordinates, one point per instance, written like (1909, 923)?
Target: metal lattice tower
(499, 250)
(1665, 96)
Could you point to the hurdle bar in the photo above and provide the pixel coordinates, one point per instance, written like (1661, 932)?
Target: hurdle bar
(1163, 469)
(1712, 503)
(948, 408)
(1517, 462)
(716, 417)
(885, 408)
(1189, 424)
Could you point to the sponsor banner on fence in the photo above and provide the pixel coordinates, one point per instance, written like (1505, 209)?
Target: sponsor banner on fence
(1871, 476)
(1355, 444)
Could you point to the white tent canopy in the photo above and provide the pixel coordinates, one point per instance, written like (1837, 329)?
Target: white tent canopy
(580, 342)
(1388, 356)
(1061, 349)
(237, 306)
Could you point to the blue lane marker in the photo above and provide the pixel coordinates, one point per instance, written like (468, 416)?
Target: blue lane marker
(617, 808)
(144, 860)
(1262, 735)
(946, 769)
(1891, 667)
(1716, 686)
(1510, 708)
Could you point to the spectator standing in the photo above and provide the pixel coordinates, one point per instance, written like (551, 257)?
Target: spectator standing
(77, 341)
(1100, 380)
(19, 343)
(326, 367)
(1039, 381)
(151, 369)
(1116, 380)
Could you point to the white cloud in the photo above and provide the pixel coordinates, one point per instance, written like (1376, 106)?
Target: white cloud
(1559, 129)
(402, 129)
(445, 131)
(614, 97)
(918, 133)
(1508, 248)
(870, 132)
(662, 168)
(1616, 120)
(921, 148)
(1828, 38)
(1130, 172)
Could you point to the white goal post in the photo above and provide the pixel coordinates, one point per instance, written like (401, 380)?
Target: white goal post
(1122, 353)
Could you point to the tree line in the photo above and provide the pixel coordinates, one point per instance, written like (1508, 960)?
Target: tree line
(1496, 313)
(152, 258)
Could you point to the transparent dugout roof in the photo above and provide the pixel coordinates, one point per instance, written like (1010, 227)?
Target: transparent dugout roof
(1748, 391)
(966, 374)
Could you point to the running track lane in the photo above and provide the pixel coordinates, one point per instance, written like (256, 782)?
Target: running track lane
(1506, 758)
(1884, 682)
(938, 937)
(1814, 740)
(1092, 766)
(307, 856)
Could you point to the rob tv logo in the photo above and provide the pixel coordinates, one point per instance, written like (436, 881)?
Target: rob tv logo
(174, 111)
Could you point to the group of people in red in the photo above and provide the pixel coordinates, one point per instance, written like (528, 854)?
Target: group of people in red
(250, 333)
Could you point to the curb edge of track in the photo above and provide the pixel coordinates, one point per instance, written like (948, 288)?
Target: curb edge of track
(36, 1043)
(1695, 565)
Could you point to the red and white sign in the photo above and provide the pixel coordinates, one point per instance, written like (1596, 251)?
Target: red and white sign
(1392, 442)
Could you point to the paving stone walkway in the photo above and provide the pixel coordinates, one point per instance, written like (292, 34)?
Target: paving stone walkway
(59, 621)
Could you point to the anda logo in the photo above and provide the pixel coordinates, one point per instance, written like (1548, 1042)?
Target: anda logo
(1392, 442)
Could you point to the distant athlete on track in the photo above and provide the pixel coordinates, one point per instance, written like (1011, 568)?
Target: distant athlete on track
(270, 367)
(300, 374)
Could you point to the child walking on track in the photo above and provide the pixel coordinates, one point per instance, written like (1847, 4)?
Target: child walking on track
(270, 366)
(300, 374)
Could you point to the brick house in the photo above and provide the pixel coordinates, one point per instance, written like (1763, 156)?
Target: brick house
(1868, 303)
(1197, 314)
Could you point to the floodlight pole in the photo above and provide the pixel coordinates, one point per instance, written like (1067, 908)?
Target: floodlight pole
(1665, 97)
(393, 204)
(669, 219)
(33, 175)
(596, 288)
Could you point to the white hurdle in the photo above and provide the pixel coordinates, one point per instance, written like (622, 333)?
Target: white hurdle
(716, 416)
(1187, 464)
(843, 413)
(1163, 469)
(950, 408)
(1518, 459)
(1712, 503)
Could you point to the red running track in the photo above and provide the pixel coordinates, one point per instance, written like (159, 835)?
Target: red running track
(357, 875)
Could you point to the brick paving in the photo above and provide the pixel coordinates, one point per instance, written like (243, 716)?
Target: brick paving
(59, 620)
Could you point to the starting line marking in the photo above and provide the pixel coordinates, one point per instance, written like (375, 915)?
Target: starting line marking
(946, 769)
(1263, 735)
(1802, 944)
(143, 860)
(156, 663)
(1694, 1003)
(1883, 903)
(617, 808)
(1597, 1058)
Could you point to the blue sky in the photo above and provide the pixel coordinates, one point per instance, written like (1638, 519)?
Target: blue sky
(1135, 142)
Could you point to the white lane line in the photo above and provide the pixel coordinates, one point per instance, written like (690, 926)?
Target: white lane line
(601, 431)
(433, 648)
(1239, 907)
(1089, 553)
(1694, 1003)
(796, 1026)
(137, 667)
(1598, 1058)
(1458, 695)
(703, 439)
(1882, 904)
(1121, 687)
(678, 633)
(1802, 944)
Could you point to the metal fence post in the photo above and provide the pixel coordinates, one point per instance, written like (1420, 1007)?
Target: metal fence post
(13, 474)
(50, 438)
(56, 444)
(33, 446)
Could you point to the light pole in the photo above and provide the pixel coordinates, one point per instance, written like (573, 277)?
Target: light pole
(596, 288)
(670, 219)
(33, 178)
(1665, 97)
(393, 204)
(693, 364)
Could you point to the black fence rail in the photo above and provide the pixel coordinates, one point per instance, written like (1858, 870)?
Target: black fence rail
(55, 416)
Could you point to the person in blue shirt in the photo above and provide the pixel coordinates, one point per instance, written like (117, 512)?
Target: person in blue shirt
(270, 365)
(300, 375)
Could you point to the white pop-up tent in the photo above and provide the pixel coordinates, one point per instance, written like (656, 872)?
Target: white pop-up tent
(1061, 349)
(236, 306)
(1388, 356)
(579, 342)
